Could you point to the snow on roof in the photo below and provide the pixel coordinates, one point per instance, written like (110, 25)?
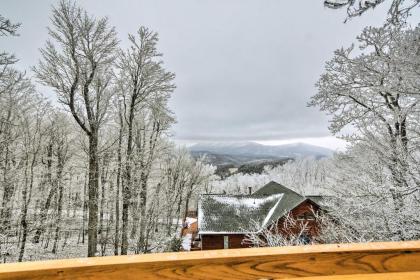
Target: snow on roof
(247, 201)
(222, 214)
(270, 213)
(234, 214)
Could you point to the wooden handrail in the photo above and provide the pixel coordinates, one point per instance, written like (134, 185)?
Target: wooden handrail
(387, 260)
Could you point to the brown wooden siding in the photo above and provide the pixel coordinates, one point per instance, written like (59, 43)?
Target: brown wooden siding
(306, 207)
(216, 241)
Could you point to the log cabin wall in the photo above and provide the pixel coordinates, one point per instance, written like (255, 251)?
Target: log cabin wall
(216, 241)
(304, 210)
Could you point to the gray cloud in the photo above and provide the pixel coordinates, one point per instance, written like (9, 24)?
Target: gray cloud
(245, 69)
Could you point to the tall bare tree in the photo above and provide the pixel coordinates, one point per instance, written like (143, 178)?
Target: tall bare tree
(15, 102)
(33, 136)
(141, 78)
(76, 63)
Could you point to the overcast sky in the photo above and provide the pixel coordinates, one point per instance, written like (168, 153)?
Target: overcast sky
(245, 70)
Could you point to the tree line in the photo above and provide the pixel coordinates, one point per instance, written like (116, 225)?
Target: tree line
(100, 163)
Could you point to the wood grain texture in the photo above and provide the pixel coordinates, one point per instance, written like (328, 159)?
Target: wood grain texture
(254, 263)
(377, 276)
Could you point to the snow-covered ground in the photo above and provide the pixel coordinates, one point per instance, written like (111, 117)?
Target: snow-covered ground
(186, 242)
(187, 237)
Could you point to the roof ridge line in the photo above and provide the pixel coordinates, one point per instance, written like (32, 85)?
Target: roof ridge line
(271, 212)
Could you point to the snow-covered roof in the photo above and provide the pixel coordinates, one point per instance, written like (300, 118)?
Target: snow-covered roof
(234, 213)
(222, 214)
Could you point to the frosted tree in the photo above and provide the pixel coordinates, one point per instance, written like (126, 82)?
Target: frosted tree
(287, 231)
(361, 205)
(55, 158)
(200, 174)
(303, 175)
(76, 63)
(7, 28)
(66, 173)
(376, 93)
(150, 128)
(9, 77)
(144, 83)
(398, 11)
(120, 122)
(33, 134)
(183, 178)
(15, 102)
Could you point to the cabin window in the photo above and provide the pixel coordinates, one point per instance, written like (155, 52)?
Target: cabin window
(226, 242)
(310, 217)
(306, 216)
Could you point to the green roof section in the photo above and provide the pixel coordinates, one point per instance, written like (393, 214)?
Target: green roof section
(290, 200)
(274, 188)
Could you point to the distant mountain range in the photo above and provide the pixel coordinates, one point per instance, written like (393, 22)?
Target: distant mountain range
(238, 153)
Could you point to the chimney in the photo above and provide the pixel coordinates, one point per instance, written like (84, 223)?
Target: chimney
(249, 190)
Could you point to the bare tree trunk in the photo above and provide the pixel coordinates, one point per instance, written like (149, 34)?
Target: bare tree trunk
(117, 218)
(26, 197)
(93, 194)
(85, 206)
(101, 213)
(135, 215)
(59, 204)
(124, 241)
(6, 209)
(44, 210)
(43, 216)
(117, 196)
(127, 186)
(109, 223)
(142, 208)
(104, 176)
(9, 188)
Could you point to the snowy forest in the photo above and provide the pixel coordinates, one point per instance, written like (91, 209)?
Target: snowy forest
(96, 173)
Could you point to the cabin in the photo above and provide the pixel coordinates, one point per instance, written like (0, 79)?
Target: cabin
(225, 220)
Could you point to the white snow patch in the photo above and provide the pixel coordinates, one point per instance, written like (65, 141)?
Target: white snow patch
(246, 201)
(190, 221)
(186, 242)
(270, 213)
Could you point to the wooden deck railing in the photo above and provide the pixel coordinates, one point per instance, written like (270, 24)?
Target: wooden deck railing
(387, 260)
